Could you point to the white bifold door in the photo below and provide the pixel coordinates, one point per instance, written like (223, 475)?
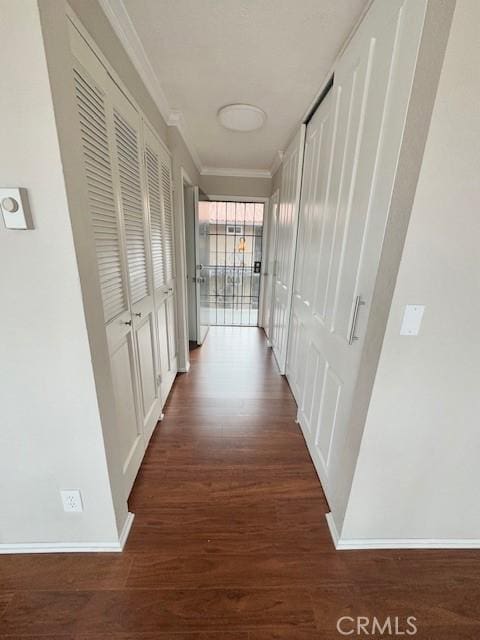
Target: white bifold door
(351, 152)
(286, 235)
(128, 179)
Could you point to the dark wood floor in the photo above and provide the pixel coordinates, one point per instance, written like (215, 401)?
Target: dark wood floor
(229, 540)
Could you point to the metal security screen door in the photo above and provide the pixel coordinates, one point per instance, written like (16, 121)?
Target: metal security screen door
(235, 232)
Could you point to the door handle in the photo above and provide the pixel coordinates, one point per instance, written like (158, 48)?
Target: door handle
(351, 336)
(139, 315)
(128, 322)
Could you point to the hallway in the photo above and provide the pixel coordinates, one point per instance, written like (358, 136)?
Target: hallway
(229, 540)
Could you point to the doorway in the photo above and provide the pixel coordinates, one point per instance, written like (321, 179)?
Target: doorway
(235, 239)
(197, 258)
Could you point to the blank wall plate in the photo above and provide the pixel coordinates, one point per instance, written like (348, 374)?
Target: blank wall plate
(412, 319)
(72, 500)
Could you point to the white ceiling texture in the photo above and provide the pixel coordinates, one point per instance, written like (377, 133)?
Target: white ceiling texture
(199, 55)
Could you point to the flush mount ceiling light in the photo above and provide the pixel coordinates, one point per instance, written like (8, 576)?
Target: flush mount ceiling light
(241, 117)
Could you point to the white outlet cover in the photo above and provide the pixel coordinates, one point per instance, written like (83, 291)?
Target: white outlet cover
(412, 319)
(72, 501)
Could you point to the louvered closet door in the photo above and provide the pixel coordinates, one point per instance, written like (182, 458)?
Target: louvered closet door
(96, 126)
(136, 234)
(167, 195)
(157, 162)
(352, 147)
(285, 247)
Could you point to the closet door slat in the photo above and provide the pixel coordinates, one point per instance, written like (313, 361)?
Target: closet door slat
(168, 219)
(156, 215)
(129, 172)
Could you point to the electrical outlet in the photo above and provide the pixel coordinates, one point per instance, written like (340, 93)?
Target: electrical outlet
(72, 500)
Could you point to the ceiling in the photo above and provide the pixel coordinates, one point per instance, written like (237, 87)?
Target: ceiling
(199, 55)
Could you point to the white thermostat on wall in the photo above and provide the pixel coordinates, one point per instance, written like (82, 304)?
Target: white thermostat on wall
(15, 209)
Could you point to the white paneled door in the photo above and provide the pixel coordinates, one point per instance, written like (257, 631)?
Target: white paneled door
(159, 189)
(98, 146)
(136, 232)
(285, 247)
(128, 175)
(351, 151)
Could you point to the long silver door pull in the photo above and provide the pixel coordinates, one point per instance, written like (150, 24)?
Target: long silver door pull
(351, 336)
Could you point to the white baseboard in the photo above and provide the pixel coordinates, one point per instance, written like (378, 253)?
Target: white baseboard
(126, 530)
(184, 369)
(400, 543)
(72, 547)
(333, 529)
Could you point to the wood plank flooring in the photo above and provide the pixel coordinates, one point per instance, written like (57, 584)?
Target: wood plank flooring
(229, 540)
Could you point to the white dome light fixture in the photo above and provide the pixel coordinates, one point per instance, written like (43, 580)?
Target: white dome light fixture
(241, 117)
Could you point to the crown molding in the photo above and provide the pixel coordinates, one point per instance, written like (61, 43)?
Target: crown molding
(121, 23)
(277, 161)
(235, 173)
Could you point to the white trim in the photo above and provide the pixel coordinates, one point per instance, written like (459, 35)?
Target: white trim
(408, 543)
(223, 198)
(398, 543)
(333, 528)
(182, 283)
(72, 547)
(277, 161)
(126, 529)
(261, 296)
(118, 17)
(121, 23)
(236, 173)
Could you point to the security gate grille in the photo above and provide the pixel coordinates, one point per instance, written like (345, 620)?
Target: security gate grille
(235, 241)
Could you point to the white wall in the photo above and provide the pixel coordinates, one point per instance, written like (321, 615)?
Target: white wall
(181, 160)
(51, 435)
(236, 186)
(418, 474)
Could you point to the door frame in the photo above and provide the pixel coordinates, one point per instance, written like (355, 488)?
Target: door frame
(265, 202)
(270, 228)
(181, 268)
(198, 279)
